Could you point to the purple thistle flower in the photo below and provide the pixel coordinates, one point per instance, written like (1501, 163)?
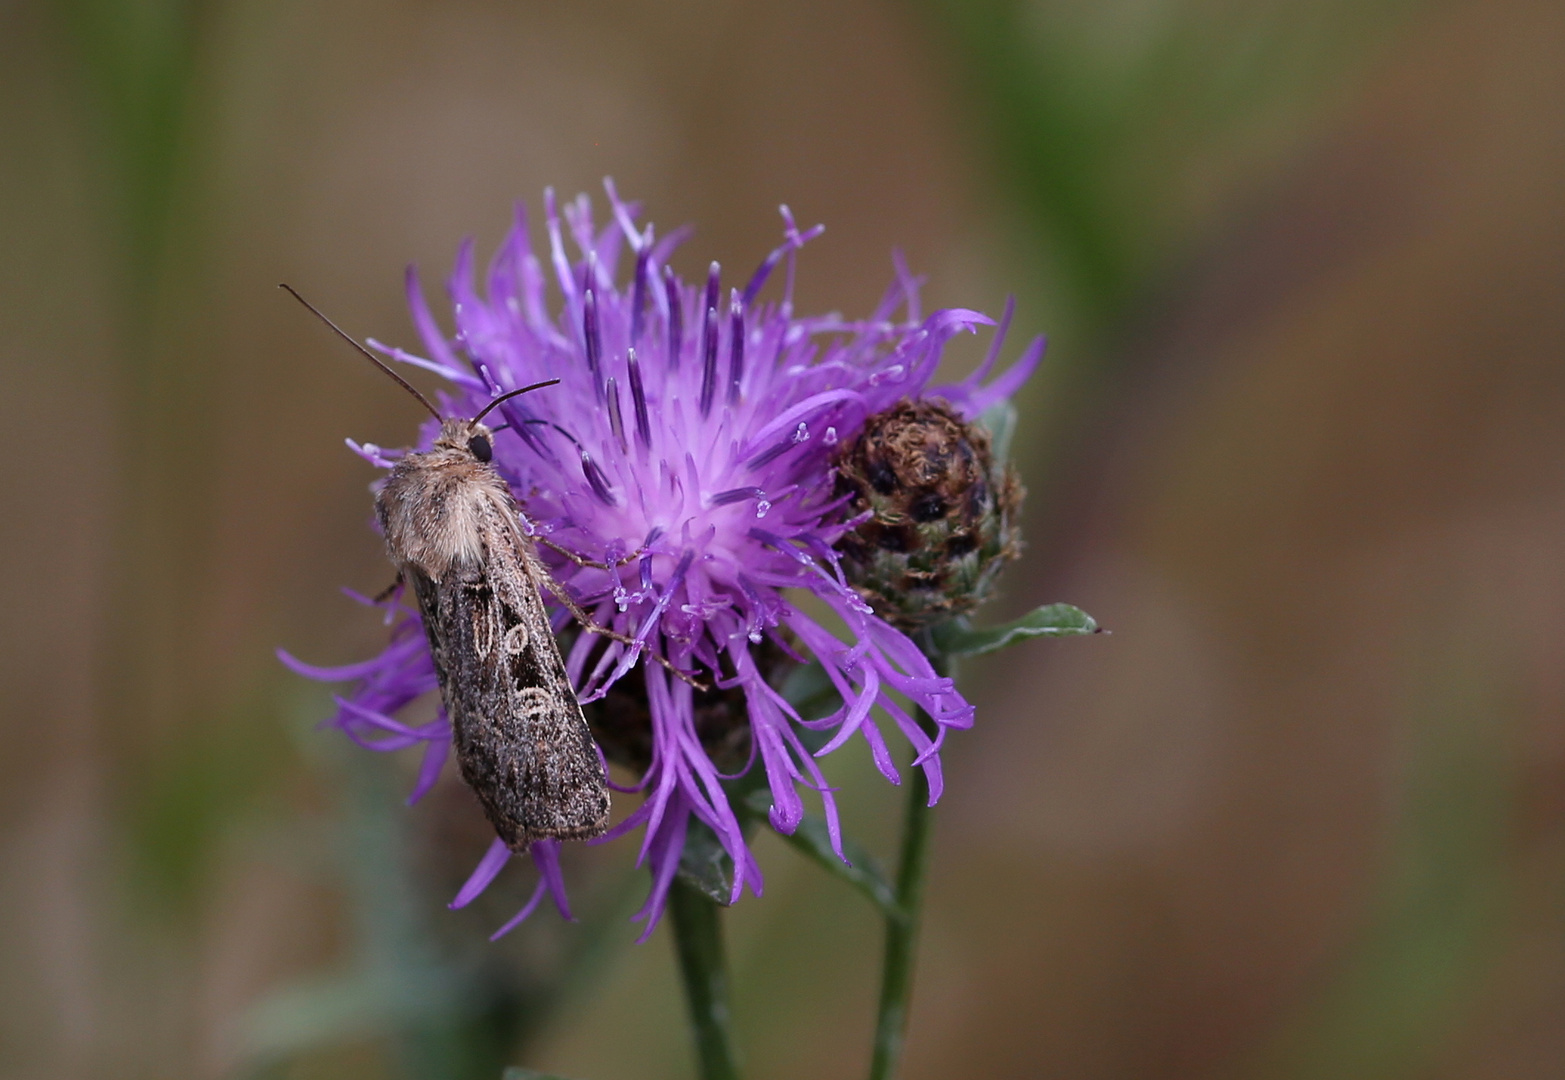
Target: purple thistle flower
(694, 432)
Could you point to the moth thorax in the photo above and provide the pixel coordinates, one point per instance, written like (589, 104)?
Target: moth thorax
(443, 508)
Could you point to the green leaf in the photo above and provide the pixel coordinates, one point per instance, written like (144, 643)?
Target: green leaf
(957, 638)
(705, 865)
(861, 870)
(516, 1072)
(813, 840)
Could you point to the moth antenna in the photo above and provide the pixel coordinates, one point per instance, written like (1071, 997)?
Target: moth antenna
(511, 394)
(409, 387)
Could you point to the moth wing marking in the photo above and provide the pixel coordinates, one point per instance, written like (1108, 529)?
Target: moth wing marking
(522, 743)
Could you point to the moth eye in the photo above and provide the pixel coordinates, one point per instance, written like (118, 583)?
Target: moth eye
(479, 447)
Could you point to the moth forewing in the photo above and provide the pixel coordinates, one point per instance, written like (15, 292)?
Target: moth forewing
(452, 528)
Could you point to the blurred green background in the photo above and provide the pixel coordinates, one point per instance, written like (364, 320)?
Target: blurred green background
(1300, 444)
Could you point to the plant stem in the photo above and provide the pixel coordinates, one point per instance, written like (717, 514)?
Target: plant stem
(698, 938)
(896, 979)
(902, 926)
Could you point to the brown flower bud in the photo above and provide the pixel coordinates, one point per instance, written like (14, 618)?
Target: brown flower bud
(942, 513)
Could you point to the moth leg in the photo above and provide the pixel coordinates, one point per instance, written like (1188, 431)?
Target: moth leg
(580, 561)
(587, 624)
(390, 590)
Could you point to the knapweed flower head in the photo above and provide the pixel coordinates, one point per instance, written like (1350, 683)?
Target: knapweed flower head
(688, 452)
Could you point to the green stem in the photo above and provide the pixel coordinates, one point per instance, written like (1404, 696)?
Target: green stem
(698, 938)
(896, 979)
(902, 925)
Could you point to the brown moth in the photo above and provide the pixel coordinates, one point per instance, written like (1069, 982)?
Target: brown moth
(455, 534)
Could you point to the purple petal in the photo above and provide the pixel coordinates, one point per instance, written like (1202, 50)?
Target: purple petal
(488, 867)
(521, 916)
(332, 674)
(435, 752)
(546, 856)
(434, 340)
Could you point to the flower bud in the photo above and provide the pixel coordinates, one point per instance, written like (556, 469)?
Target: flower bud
(939, 514)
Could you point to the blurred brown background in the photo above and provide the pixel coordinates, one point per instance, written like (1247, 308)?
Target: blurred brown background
(1300, 444)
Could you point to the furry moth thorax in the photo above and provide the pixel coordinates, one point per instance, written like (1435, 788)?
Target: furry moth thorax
(438, 505)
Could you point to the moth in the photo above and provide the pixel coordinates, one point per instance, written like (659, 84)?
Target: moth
(454, 532)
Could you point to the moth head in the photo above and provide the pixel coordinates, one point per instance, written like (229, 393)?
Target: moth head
(469, 436)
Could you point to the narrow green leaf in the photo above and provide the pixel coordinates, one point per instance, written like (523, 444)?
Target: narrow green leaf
(813, 840)
(705, 865)
(861, 870)
(957, 638)
(516, 1072)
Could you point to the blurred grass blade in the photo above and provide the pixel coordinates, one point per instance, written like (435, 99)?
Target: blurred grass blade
(516, 1072)
(957, 638)
(139, 61)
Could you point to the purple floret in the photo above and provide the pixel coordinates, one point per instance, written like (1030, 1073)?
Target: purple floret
(696, 429)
